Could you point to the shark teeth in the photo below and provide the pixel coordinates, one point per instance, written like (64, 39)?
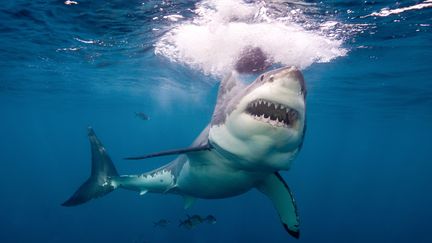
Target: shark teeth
(275, 123)
(272, 113)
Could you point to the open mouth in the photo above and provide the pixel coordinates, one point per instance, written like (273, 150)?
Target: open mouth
(272, 113)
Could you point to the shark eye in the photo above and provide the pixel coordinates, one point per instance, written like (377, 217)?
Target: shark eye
(262, 77)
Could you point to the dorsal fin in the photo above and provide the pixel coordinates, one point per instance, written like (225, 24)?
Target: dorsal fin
(228, 84)
(227, 88)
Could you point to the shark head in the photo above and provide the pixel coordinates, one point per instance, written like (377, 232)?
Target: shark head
(261, 125)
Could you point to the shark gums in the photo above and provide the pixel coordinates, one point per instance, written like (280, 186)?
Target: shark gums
(256, 130)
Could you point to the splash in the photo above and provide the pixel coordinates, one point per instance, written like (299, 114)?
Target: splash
(386, 11)
(213, 41)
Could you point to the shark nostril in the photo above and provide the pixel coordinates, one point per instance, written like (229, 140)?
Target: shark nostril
(262, 77)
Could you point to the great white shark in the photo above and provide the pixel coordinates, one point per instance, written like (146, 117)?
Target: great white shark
(256, 131)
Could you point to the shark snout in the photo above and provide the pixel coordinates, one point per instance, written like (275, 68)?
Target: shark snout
(291, 77)
(297, 75)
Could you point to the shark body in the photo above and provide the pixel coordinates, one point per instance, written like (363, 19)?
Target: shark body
(256, 130)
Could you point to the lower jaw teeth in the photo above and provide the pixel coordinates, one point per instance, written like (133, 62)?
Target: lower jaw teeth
(276, 122)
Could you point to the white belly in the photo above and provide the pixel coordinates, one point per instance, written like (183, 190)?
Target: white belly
(209, 175)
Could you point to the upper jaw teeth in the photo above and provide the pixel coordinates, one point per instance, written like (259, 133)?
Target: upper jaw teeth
(268, 103)
(275, 114)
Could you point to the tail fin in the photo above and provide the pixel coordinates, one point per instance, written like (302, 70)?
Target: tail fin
(102, 170)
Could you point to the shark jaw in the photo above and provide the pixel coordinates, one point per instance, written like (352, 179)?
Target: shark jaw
(275, 114)
(264, 125)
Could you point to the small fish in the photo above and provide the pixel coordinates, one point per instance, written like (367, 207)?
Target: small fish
(210, 219)
(191, 222)
(142, 115)
(161, 223)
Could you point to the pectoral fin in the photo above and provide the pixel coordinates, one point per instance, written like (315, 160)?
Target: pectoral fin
(275, 188)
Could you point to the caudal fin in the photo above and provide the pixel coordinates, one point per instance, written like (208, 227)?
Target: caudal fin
(102, 170)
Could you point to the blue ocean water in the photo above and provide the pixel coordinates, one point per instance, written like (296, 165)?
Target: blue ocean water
(363, 175)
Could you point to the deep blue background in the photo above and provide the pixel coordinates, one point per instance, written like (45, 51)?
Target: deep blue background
(364, 174)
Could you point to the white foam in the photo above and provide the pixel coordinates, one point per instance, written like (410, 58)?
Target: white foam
(85, 41)
(172, 17)
(213, 41)
(386, 11)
